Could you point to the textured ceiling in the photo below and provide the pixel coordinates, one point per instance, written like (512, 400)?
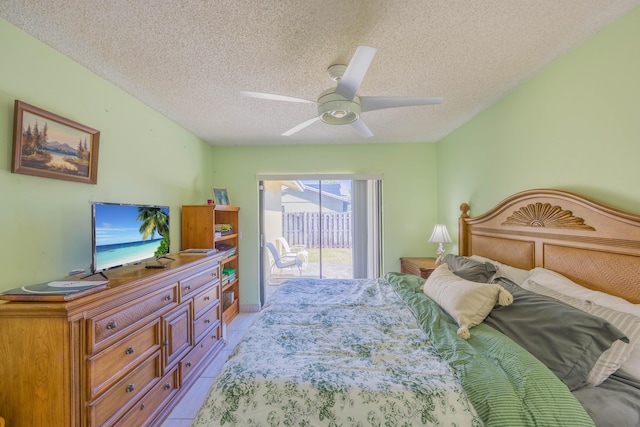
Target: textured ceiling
(189, 60)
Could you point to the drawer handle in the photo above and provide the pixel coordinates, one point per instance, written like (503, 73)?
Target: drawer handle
(188, 364)
(130, 388)
(207, 298)
(112, 325)
(142, 407)
(207, 321)
(188, 287)
(167, 386)
(167, 298)
(130, 350)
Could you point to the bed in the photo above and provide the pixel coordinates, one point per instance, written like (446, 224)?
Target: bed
(374, 352)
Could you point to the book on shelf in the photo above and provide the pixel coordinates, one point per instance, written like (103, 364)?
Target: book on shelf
(228, 297)
(229, 249)
(206, 252)
(224, 229)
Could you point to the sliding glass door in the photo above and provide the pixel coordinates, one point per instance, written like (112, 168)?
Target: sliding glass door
(319, 228)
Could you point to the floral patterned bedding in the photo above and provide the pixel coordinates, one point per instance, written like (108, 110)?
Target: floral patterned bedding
(378, 353)
(336, 353)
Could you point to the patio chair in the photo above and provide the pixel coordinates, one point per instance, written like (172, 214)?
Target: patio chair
(283, 261)
(299, 251)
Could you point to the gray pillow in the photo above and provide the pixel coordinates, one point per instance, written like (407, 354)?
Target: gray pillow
(470, 269)
(567, 340)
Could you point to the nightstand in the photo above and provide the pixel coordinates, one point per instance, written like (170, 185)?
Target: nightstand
(422, 267)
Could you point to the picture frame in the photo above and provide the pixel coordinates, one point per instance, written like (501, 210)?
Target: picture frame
(51, 146)
(220, 196)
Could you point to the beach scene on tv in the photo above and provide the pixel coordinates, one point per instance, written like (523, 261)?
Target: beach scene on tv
(126, 234)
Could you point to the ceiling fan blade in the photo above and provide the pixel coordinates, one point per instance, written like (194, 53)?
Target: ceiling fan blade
(369, 103)
(357, 68)
(360, 127)
(274, 97)
(301, 126)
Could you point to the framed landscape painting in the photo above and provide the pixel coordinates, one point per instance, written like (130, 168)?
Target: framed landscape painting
(50, 146)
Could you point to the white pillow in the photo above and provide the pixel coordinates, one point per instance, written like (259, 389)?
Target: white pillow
(562, 284)
(613, 358)
(516, 275)
(632, 366)
(469, 303)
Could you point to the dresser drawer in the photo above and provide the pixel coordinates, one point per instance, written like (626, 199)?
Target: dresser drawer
(177, 332)
(107, 366)
(210, 318)
(191, 361)
(205, 299)
(143, 412)
(109, 326)
(119, 398)
(191, 284)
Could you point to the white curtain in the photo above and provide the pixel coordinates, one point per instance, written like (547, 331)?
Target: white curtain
(367, 228)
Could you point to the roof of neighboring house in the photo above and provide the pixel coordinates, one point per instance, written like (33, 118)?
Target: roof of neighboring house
(323, 193)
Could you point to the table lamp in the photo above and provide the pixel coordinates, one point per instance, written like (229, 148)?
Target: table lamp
(440, 235)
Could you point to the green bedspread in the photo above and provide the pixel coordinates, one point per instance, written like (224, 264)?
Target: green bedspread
(506, 385)
(350, 353)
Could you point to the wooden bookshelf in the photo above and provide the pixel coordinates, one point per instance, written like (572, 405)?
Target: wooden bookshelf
(199, 231)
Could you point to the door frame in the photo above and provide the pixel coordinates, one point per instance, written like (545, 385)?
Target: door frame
(261, 178)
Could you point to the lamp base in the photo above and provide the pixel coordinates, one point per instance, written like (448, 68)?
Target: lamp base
(440, 253)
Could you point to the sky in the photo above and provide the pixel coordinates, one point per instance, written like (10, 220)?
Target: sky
(56, 131)
(117, 224)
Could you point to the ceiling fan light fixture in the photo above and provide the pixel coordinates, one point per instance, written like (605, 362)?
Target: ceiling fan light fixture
(335, 109)
(339, 117)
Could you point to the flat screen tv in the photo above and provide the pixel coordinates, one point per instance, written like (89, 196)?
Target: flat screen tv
(128, 234)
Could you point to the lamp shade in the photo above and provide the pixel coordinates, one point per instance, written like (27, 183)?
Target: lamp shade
(440, 234)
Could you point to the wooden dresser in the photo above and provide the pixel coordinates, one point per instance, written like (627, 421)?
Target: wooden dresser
(121, 356)
(422, 267)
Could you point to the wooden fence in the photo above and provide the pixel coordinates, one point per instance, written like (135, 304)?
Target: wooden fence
(331, 229)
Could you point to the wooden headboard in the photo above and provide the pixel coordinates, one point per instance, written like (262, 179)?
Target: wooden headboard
(592, 244)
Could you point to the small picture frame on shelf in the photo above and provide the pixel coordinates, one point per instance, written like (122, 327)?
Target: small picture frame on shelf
(220, 196)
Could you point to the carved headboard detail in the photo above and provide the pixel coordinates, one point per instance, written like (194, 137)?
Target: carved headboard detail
(592, 244)
(545, 215)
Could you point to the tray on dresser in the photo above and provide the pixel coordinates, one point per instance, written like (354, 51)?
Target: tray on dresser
(55, 291)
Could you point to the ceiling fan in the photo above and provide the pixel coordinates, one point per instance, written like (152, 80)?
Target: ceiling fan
(342, 105)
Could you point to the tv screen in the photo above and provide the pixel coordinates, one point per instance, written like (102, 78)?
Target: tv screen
(126, 234)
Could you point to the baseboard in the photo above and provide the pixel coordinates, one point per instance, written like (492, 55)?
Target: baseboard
(249, 308)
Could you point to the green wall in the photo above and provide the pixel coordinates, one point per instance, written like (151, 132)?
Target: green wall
(409, 188)
(45, 224)
(574, 126)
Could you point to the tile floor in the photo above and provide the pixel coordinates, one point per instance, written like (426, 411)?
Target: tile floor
(184, 413)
